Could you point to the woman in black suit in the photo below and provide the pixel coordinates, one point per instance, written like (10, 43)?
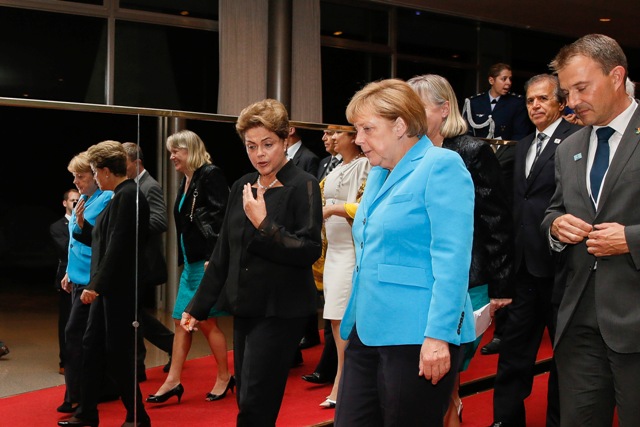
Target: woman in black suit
(198, 212)
(260, 270)
(117, 242)
(490, 275)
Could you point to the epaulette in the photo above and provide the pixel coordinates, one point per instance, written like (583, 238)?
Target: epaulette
(477, 95)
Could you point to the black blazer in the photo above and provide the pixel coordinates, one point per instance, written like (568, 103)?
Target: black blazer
(492, 253)
(509, 114)
(199, 223)
(322, 168)
(306, 160)
(59, 231)
(113, 242)
(266, 271)
(531, 198)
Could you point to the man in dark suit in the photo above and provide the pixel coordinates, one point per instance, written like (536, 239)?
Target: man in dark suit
(300, 155)
(328, 163)
(59, 232)
(531, 310)
(594, 222)
(152, 329)
(499, 114)
(306, 160)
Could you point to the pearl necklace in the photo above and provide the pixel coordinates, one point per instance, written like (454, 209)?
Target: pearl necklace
(265, 188)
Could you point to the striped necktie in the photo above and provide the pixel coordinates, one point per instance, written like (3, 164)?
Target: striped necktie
(540, 140)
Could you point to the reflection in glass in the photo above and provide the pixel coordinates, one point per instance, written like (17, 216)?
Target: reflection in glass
(166, 67)
(354, 23)
(436, 36)
(207, 9)
(52, 56)
(344, 72)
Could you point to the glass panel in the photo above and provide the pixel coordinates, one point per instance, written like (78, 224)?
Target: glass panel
(52, 56)
(436, 36)
(166, 67)
(207, 9)
(344, 72)
(463, 81)
(99, 2)
(354, 23)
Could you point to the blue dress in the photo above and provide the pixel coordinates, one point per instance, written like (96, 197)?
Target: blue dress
(190, 278)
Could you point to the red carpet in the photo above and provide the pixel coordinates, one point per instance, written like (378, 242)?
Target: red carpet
(299, 407)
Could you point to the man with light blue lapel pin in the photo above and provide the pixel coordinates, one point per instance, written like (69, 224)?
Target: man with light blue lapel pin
(594, 222)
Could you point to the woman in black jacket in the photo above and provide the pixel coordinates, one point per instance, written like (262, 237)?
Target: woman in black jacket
(198, 211)
(260, 270)
(491, 272)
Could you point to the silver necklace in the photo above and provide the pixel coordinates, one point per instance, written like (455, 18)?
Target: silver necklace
(265, 188)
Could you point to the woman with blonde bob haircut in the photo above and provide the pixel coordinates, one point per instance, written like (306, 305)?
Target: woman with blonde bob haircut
(198, 212)
(491, 258)
(413, 230)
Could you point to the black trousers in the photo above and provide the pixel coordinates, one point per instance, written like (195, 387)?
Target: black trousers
(528, 316)
(264, 348)
(152, 329)
(380, 386)
(74, 331)
(110, 341)
(593, 378)
(328, 364)
(64, 311)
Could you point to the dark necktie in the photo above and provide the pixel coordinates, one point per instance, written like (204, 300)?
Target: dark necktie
(600, 161)
(332, 164)
(493, 103)
(540, 140)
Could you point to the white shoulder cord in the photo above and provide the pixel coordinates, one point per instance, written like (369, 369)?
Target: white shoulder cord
(467, 110)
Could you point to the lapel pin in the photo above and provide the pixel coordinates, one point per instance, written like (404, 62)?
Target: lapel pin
(557, 141)
(577, 157)
(637, 131)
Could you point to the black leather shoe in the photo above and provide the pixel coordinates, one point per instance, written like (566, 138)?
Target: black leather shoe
(166, 367)
(308, 343)
(498, 424)
(317, 378)
(67, 408)
(492, 347)
(297, 360)
(143, 423)
(161, 398)
(73, 421)
(3, 349)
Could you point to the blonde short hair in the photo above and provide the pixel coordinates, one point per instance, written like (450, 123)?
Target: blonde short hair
(197, 154)
(79, 163)
(436, 90)
(390, 99)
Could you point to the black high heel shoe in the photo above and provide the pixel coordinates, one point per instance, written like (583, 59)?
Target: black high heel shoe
(160, 398)
(231, 385)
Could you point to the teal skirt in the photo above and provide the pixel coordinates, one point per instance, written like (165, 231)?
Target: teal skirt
(479, 298)
(190, 279)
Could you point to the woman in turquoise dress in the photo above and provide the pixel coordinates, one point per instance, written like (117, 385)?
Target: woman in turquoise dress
(198, 212)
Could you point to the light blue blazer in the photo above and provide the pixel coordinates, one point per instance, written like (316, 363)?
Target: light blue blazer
(413, 233)
(79, 265)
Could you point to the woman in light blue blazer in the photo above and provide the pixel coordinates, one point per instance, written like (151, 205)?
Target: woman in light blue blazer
(409, 309)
